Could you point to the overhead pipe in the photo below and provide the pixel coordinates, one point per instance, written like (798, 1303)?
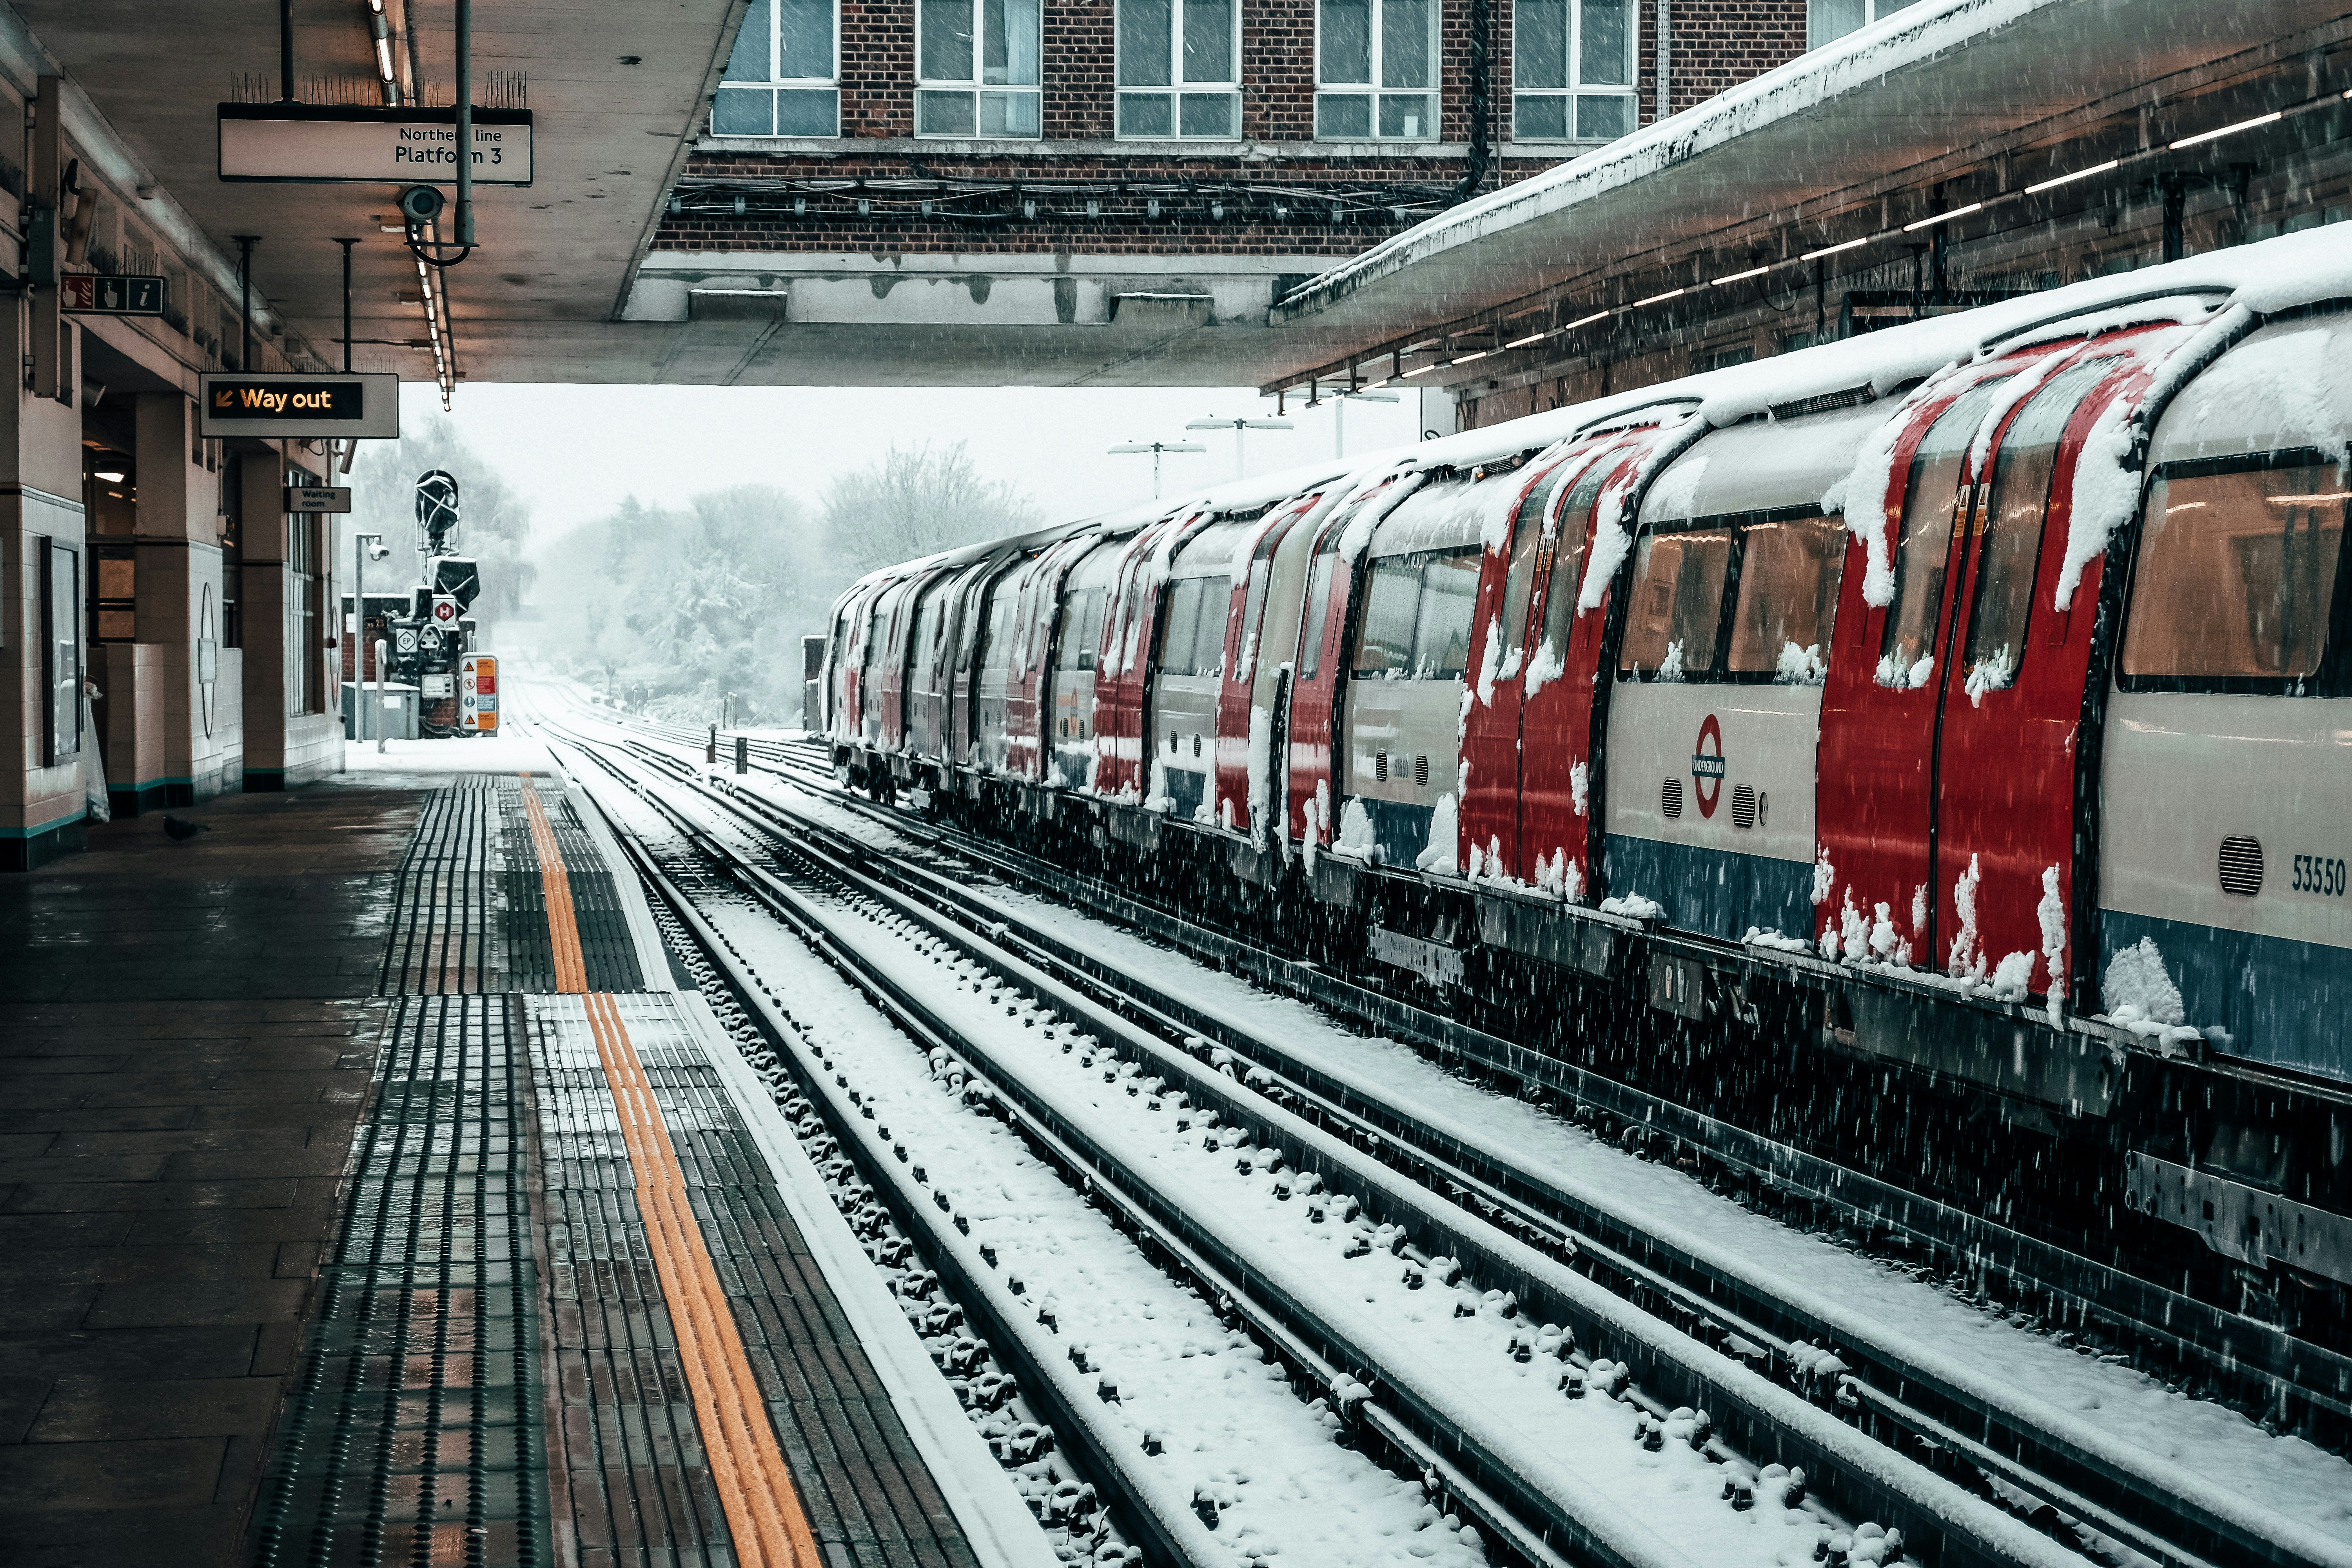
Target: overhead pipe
(1475, 175)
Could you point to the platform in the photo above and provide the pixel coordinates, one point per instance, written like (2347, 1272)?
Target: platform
(369, 1194)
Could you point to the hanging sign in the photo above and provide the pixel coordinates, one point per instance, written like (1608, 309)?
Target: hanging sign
(271, 405)
(445, 612)
(115, 294)
(477, 693)
(323, 144)
(317, 498)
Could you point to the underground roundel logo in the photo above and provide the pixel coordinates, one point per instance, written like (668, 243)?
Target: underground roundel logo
(1707, 766)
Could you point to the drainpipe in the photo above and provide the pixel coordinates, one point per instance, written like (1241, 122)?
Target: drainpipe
(1666, 58)
(1474, 173)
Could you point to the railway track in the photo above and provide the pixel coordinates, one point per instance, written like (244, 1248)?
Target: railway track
(1782, 1377)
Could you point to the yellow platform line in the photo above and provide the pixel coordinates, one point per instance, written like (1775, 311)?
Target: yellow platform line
(747, 1465)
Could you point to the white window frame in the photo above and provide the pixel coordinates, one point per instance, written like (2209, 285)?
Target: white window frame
(1577, 90)
(1872, 11)
(975, 88)
(1372, 91)
(1178, 88)
(777, 82)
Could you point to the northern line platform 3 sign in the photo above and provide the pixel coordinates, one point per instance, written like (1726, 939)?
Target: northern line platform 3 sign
(293, 405)
(323, 143)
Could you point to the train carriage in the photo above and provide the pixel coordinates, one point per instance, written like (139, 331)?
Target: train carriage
(1974, 698)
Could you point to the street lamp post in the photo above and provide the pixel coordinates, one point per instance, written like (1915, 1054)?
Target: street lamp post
(364, 547)
(1237, 426)
(1156, 448)
(1339, 415)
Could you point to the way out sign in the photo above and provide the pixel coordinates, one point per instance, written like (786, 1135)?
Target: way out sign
(268, 406)
(477, 693)
(310, 144)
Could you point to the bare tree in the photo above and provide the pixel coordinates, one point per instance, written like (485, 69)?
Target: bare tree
(915, 502)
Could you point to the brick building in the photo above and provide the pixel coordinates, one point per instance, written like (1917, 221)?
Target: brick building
(1151, 149)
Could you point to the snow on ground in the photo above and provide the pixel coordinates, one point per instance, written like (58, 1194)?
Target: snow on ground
(507, 752)
(1452, 1346)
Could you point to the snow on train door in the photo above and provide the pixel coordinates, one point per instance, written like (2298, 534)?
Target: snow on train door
(1567, 625)
(1489, 810)
(1321, 679)
(1245, 714)
(1119, 683)
(2006, 790)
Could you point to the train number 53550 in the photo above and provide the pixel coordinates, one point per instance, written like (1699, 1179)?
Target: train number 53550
(2317, 874)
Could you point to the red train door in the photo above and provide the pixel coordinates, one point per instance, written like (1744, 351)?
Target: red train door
(1489, 809)
(1245, 652)
(1876, 778)
(1322, 663)
(1118, 685)
(2012, 689)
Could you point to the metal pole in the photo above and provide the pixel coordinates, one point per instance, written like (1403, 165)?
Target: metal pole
(358, 632)
(382, 657)
(244, 244)
(465, 123)
(1155, 470)
(347, 245)
(1339, 426)
(285, 51)
(1237, 449)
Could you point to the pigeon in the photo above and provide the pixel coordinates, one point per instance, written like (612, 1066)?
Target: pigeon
(181, 832)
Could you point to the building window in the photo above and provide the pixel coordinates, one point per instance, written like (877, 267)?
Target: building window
(1827, 19)
(1376, 70)
(1572, 70)
(976, 67)
(1190, 50)
(305, 613)
(783, 79)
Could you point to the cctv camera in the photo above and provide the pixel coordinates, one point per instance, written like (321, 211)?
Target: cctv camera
(378, 552)
(420, 203)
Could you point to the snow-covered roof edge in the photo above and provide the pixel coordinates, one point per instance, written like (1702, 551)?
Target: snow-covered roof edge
(1863, 57)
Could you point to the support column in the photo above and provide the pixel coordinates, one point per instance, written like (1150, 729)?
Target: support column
(293, 730)
(180, 601)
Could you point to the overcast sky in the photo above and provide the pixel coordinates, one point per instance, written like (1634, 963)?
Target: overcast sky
(574, 451)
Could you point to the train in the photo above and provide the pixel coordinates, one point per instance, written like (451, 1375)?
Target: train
(1970, 700)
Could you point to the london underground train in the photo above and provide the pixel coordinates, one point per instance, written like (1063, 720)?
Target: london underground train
(1971, 699)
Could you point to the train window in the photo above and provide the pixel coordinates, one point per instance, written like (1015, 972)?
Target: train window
(1182, 622)
(1000, 618)
(1081, 615)
(1924, 552)
(1573, 529)
(1318, 604)
(2010, 550)
(1392, 604)
(1449, 598)
(1788, 572)
(1527, 541)
(2240, 573)
(1675, 618)
(1209, 631)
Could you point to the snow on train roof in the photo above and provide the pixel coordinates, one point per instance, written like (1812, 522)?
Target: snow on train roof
(2269, 277)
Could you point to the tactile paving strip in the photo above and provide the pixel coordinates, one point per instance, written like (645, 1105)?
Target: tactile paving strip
(868, 1498)
(416, 1431)
(607, 952)
(444, 935)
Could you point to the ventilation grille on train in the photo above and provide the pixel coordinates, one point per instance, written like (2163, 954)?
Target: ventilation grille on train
(2241, 865)
(1380, 766)
(1420, 770)
(1670, 797)
(1743, 806)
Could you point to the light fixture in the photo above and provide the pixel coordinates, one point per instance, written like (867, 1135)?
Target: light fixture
(1584, 320)
(1465, 359)
(1421, 368)
(1655, 299)
(1833, 249)
(2069, 179)
(111, 476)
(1741, 276)
(2272, 118)
(1939, 217)
(1522, 342)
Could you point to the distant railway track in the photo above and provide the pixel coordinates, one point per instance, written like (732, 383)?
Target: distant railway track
(1851, 1404)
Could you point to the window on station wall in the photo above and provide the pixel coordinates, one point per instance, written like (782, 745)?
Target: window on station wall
(1828, 19)
(1572, 70)
(1178, 69)
(305, 612)
(1376, 70)
(783, 79)
(977, 67)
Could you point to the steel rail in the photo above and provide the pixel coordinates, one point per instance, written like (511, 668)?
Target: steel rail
(1954, 1525)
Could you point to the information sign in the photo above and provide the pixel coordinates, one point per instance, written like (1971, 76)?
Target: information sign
(326, 144)
(271, 405)
(115, 294)
(477, 693)
(440, 685)
(445, 611)
(317, 498)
